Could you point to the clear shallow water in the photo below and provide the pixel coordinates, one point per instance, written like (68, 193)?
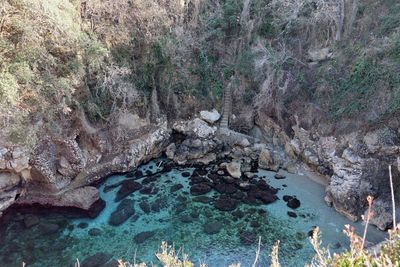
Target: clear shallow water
(181, 221)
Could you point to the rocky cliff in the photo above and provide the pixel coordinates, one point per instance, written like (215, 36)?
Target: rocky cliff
(60, 172)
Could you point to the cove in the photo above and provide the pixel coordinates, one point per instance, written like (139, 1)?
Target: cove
(163, 209)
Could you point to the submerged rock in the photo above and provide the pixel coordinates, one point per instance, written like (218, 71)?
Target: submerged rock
(293, 203)
(176, 187)
(225, 203)
(186, 219)
(143, 236)
(96, 260)
(31, 220)
(124, 211)
(200, 189)
(286, 198)
(292, 214)
(186, 174)
(127, 188)
(225, 188)
(279, 176)
(212, 228)
(94, 232)
(247, 237)
(203, 199)
(145, 207)
(48, 228)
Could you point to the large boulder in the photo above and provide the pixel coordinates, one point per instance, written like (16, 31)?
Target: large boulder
(96, 260)
(85, 198)
(266, 161)
(123, 212)
(381, 214)
(233, 169)
(210, 116)
(127, 188)
(195, 128)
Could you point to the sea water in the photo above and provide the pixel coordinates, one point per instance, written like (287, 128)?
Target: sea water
(181, 222)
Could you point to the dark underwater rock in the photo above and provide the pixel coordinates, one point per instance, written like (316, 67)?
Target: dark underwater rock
(200, 189)
(150, 179)
(292, 214)
(247, 238)
(96, 260)
(185, 174)
(225, 188)
(83, 225)
(155, 206)
(94, 232)
(111, 263)
(176, 187)
(212, 228)
(186, 219)
(96, 208)
(279, 176)
(293, 203)
(203, 199)
(143, 236)
(148, 190)
(145, 207)
(197, 180)
(127, 188)
(225, 203)
(123, 212)
(255, 224)
(31, 220)
(48, 228)
(286, 198)
(238, 214)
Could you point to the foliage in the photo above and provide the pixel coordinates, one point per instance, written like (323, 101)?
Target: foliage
(391, 21)
(231, 11)
(9, 89)
(245, 63)
(354, 92)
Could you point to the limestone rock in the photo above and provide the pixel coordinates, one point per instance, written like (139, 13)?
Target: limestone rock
(381, 214)
(196, 127)
(233, 169)
(210, 116)
(266, 161)
(82, 198)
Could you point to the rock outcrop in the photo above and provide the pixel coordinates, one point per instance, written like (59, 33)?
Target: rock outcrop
(357, 166)
(14, 172)
(210, 116)
(199, 144)
(60, 170)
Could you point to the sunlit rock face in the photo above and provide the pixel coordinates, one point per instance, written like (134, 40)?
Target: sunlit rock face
(357, 166)
(58, 172)
(14, 172)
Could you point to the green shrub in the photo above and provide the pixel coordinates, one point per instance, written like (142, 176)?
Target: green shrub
(391, 21)
(9, 89)
(355, 91)
(232, 10)
(21, 71)
(245, 63)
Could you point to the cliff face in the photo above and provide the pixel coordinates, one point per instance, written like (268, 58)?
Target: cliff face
(59, 173)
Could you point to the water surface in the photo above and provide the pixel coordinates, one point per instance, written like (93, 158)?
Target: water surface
(174, 217)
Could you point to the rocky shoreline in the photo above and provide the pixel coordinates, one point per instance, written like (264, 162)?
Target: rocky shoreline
(60, 172)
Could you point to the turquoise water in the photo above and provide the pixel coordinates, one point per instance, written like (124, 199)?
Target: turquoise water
(174, 217)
